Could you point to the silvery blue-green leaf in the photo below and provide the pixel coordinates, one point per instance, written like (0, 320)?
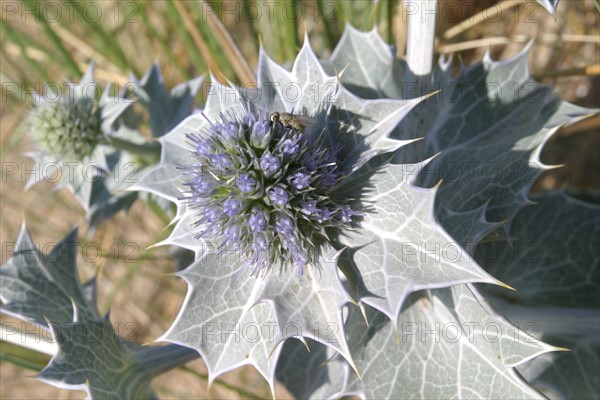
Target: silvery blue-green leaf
(91, 356)
(102, 191)
(303, 89)
(549, 5)
(372, 75)
(222, 99)
(311, 303)
(304, 370)
(76, 176)
(222, 319)
(553, 261)
(468, 228)
(233, 319)
(448, 344)
(107, 204)
(165, 109)
(567, 375)
(163, 180)
(35, 286)
(111, 192)
(86, 87)
(489, 123)
(111, 108)
(373, 121)
(553, 258)
(400, 248)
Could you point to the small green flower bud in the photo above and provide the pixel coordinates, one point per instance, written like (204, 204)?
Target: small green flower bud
(68, 131)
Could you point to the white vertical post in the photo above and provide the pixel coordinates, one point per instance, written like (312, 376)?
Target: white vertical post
(422, 16)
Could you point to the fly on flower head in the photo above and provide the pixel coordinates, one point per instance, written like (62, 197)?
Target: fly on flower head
(293, 121)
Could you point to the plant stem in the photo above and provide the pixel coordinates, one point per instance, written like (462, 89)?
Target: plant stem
(160, 359)
(148, 149)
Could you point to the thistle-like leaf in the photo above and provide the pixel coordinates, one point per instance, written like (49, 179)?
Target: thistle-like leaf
(489, 123)
(165, 109)
(233, 319)
(470, 234)
(553, 258)
(448, 344)
(549, 5)
(221, 319)
(109, 193)
(570, 374)
(91, 356)
(35, 286)
(553, 261)
(400, 248)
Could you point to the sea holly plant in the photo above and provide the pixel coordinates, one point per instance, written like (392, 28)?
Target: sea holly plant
(248, 183)
(70, 134)
(321, 190)
(329, 252)
(88, 144)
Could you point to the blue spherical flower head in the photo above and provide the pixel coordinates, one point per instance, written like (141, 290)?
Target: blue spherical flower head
(265, 189)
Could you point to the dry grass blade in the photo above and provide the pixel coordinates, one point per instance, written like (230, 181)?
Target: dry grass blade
(583, 126)
(82, 47)
(544, 38)
(160, 43)
(197, 37)
(238, 62)
(100, 73)
(488, 14)
(35, 54)
(588, 70)
(70, 63)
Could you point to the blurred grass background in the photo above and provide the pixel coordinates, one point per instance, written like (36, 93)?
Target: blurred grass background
(189, 38)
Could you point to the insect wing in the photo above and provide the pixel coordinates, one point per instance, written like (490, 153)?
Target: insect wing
(298, 122)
